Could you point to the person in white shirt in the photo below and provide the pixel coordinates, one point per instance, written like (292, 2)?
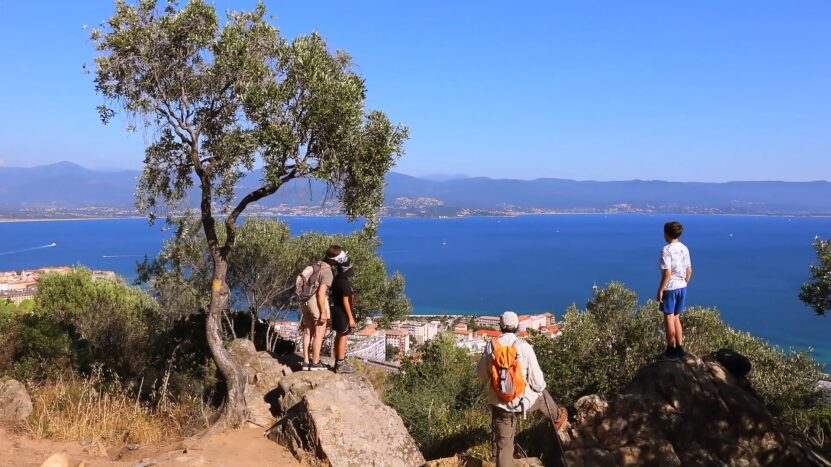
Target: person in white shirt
(534, 398)
(676, 273)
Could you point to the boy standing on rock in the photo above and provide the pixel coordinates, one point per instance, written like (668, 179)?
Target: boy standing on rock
(343, 318)
(676, 273)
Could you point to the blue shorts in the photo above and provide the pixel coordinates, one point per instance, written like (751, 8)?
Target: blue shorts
(674, 301)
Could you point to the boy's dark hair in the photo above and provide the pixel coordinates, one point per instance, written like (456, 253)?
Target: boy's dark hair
(673, 229)
(331, 253)
(510, 329)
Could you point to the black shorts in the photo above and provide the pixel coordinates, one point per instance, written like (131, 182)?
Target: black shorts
(340, 321)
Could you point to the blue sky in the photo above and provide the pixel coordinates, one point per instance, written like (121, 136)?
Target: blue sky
(592, 90)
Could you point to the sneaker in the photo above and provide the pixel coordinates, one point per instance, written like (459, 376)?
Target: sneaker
(305, 367)
(669, 354)
(317, 366)
(345, 367)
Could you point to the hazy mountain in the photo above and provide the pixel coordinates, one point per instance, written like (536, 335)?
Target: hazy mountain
(68, 185)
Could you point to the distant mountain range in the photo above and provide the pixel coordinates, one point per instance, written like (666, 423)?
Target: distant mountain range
(65, 188)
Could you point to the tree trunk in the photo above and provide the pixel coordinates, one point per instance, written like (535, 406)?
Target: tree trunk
(253, 324)
(233, 408)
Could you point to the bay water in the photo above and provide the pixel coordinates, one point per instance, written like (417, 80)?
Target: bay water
(749, 267)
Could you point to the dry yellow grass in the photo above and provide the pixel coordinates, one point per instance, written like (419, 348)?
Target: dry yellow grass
(73, 408)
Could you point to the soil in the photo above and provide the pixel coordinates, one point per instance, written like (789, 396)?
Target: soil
(242, 447)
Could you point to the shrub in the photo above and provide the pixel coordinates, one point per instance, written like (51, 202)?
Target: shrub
(441, 400)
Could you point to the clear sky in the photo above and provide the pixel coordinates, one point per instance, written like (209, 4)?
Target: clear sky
(711, 90)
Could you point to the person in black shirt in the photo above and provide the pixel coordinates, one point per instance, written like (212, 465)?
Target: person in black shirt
(343, 319)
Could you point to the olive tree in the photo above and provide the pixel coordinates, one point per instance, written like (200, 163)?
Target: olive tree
(219, 100)
(817, 292)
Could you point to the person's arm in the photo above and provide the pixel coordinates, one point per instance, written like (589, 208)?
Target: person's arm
(536, 379)
(665, 275)
(689, 274)
(322, 291)
(347, 305)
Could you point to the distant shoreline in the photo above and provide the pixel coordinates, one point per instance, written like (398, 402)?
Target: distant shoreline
(64, 219)
(497, 216)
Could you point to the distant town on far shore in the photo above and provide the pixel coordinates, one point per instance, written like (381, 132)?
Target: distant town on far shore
(67, 190)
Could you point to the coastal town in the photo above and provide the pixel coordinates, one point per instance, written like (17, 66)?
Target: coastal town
(370, 343)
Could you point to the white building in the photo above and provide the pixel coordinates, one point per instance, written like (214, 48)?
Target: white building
(367, 347)
(474, 345)
(399, 338)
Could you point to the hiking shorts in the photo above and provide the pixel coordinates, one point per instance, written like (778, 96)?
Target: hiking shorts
(674, 301)
(311, 312)
(340, 320)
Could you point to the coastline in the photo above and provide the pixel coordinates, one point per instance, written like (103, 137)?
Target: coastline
(493, 216)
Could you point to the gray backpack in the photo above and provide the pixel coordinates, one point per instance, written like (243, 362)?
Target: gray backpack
(307, 282)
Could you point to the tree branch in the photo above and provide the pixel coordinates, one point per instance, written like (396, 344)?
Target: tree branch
(258, 194)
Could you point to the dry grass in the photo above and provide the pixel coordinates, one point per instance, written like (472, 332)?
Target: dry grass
(73, 408)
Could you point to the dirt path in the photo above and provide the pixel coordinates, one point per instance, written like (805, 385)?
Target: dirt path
(243, 447)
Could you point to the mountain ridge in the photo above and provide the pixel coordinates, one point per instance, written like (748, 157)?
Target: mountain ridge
(69, 186)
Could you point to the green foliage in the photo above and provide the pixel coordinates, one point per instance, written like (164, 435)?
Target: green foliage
(226, 95)
(110, 322)
(441, 400)
(79, 323)
(35, 345)
(817, 292)
(263, 267)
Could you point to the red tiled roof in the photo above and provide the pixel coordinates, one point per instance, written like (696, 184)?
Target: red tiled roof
(488, 332)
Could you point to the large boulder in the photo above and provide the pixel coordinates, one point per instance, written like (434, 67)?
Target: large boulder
(264, 374)
(338, 420)
(687, 412)
(15, 403)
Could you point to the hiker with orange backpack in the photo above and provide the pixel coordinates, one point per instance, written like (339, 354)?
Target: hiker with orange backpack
(515, 387)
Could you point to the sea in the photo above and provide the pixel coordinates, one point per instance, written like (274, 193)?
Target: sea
(749, 267)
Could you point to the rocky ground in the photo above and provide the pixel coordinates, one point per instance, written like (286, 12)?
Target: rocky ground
(246, 447)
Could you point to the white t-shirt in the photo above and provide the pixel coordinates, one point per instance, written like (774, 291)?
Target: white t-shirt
(675, 257)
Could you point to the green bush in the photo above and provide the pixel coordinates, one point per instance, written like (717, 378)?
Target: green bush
(441, 400)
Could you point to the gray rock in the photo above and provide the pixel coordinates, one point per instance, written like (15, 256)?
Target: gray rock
(15, 403)
(688, 412)
(264, 375)
(338, 420)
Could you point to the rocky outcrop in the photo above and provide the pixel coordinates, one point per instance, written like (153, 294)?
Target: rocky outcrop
(337, 420)
(15, 403)
(264, 374)
(688, 412)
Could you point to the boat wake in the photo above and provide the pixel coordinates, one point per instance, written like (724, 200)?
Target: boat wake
(120, 256)
(24, 250)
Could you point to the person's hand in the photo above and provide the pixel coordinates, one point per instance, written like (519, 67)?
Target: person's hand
(352, 323)
(660, 296)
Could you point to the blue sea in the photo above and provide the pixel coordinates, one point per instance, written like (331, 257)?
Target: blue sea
(749, 267)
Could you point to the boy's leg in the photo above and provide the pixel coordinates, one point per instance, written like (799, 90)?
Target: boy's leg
(317, 343)
(680, 306)
(669, 326)
(679, 331)
(340, 346)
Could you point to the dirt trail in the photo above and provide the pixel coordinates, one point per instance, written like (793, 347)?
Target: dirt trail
(243, 447)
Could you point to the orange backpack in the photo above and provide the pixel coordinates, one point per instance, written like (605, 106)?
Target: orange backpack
(507, 377)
